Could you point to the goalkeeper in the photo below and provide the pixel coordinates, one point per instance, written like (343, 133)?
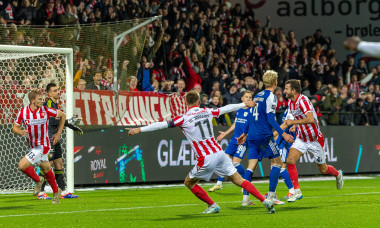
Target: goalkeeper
(53, 93)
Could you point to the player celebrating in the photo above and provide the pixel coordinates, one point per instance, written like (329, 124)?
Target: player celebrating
(260, 137)
(53, 93)
(196, 124)
(35, 119)
(309, 136)
(234, 150)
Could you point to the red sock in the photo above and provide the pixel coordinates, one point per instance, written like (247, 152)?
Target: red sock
(293, 175)
(201, 194)
(32, 174)
(248, 186)
(51, 180)
(331, 171)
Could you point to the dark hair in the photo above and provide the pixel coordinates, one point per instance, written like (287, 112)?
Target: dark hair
(294, 84)
(49, 86)
(192, 97)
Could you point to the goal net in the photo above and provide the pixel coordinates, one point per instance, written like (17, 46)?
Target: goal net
(23, 68)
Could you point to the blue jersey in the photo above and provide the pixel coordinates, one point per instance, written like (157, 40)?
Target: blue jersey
(280, 139)
(262, 118)
(241, 119)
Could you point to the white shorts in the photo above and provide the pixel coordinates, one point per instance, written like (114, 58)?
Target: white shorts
(313, 147)
(218, 163)
(36, 155)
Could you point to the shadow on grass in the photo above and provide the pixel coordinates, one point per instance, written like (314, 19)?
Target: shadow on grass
(190, 217)
(16, 207)
(223, 193)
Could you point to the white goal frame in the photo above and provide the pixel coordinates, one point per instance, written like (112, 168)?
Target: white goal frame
(69, 99)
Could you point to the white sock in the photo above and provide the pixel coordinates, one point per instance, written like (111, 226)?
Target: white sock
(297, 191)
(219, 183)
(245, 197)
(271, 194)
(214, 205)
(291, 190)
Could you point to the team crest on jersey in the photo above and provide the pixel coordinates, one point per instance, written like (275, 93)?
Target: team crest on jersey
(42, 115)
(27, 122)
(245, 114)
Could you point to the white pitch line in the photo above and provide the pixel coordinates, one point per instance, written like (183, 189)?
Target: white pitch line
(150, 207)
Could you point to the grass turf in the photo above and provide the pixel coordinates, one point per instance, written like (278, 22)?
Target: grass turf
(357, 204)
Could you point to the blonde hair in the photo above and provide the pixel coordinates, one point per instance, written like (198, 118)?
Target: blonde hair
(105, 72)
(269, 78)
(33, 94)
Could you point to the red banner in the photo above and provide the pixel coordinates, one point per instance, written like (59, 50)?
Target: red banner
(102, 108)
(131, 108)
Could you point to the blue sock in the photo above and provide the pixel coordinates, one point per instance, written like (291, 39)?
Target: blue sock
(248, 177)
(285, 175)
(221, 178)
(240, 169)
(273, 178)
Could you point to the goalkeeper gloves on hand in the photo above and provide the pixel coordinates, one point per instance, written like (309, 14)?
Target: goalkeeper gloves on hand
(75, 120)
(77, 130)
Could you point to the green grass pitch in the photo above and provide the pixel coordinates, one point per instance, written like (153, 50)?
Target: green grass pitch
(357, 204)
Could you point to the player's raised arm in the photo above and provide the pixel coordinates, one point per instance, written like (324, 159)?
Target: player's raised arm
(369, 48)
(235, 107)
(175, 122)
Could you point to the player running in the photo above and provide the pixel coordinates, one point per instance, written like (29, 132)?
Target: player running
(54, 95)
(234, 150)
(258, 132)
(309, 136)
(196, 124)
(34, 118)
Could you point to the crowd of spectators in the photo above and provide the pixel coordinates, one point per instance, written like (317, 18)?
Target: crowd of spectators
(219, 50)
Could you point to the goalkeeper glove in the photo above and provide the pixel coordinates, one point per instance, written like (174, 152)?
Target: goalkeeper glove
(75, 120)
(77, 130)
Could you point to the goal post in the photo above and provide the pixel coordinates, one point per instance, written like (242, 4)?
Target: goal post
(119, 39)
(23, 68)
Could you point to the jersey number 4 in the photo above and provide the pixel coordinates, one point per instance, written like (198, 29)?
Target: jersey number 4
(255, 112)
(199, 125)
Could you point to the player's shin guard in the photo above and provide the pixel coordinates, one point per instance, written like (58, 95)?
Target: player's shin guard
(201, 194)
(31, 173)
(285, 175)
(331, 171)
(273, 178)
(248, 177)
(59, 178)
(293, 175)
(248, 187)
(51, 180)
(239, 168)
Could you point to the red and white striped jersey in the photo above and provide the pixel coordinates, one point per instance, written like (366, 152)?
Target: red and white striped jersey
(306, 132)
(196, 124)
(36, 123)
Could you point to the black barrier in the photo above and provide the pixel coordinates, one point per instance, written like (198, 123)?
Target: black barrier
(109, 156)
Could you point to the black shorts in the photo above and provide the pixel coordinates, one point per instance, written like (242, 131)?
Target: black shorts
(55, 152)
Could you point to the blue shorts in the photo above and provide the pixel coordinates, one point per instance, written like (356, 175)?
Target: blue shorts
(284, 148)
(235, 150)
(265, 147)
